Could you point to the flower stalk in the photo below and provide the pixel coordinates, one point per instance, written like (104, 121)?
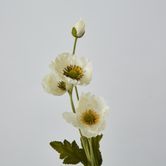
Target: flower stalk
(71, 100)
(86, 142)
(94, 162)
(74, 46)
(74, 50)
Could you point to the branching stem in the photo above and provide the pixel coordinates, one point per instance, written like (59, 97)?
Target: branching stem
(86, 142)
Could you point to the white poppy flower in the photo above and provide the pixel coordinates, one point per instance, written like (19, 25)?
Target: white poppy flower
(54, 85)
(73, 69)
(79, 29)
(90, 115)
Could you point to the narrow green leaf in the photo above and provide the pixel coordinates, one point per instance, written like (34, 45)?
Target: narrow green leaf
(96, 148)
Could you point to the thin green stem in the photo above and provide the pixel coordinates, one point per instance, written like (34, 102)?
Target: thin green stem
(91, 152)
(87, 146)
(71, 101)
(74, 50)
(93, 159)
(74, 47)
(76, 90)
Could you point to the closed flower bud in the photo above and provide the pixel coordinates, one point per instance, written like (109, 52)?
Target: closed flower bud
(79, 29)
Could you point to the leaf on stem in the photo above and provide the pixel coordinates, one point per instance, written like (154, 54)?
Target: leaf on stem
(70, 153)
(96, 148)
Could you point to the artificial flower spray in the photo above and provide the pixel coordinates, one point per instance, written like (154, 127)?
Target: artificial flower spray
(67, 72)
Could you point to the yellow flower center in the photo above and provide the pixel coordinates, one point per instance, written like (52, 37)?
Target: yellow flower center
(62, 85)
(74, 72)
(90, 117)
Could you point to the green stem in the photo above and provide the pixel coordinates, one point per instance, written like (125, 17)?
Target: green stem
(74, 47)
(93, 159)
(74, 50)
(76, 90)
(87, 146)
(71, 101)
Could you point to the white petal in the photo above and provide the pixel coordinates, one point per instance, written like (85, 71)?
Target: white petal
(80, 28)
(50, 84)
(87, 133)
(102, 126)
(87, 75)
(70, 118)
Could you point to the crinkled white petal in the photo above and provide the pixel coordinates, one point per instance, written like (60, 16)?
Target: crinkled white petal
(93, 131)
(70, 118)
(88, 100)
(102, 126)
(88, 71)
(80, 28)
(88, 133)
(67, 59)
(50, 84)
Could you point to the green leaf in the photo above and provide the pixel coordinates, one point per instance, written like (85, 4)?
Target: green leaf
(70, 153)
(96, 148)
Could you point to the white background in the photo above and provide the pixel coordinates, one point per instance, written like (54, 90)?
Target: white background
(125, 40)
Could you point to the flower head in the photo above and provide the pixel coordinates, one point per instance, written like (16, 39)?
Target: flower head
(53, 84)
(72, 69)
(90, 115)
(79, 29)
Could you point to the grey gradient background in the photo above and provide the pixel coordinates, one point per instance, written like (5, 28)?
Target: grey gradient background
(125, 39)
